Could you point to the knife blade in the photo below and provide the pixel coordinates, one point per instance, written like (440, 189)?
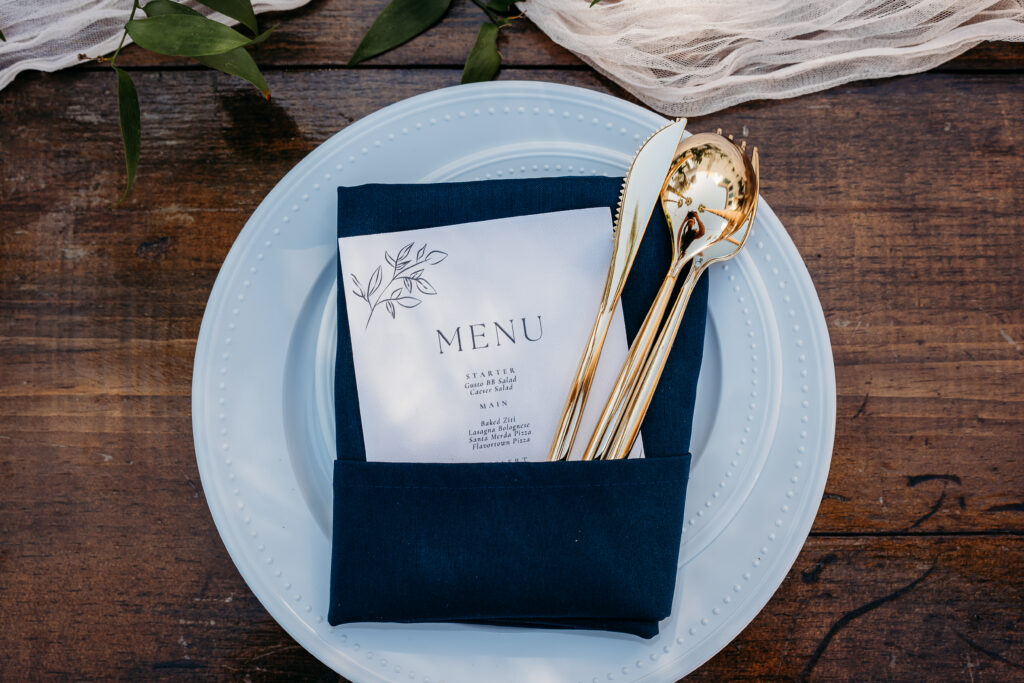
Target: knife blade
(639, 195)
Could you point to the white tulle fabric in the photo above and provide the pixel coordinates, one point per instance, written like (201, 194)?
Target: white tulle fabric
(681, 57)
(691, 57)
(47, 35)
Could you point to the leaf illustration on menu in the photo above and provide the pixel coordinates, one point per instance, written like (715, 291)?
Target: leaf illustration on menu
(375, 280)
(406, 273)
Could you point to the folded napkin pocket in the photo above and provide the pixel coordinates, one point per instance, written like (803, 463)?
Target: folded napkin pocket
(566, 544)
(585, 545)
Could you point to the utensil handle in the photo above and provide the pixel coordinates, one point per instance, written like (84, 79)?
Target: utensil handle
(615, 407)
(569, 422)
(643, 390)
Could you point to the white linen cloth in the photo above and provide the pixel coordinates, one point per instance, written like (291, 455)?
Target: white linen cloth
(692, 57)
(681, 57)
(48, 35)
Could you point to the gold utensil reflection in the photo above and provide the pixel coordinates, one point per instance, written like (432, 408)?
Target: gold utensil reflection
(689, 237)
(637, 201)
(709, 199)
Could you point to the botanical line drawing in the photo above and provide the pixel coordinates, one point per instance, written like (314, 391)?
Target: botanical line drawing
(404, 275)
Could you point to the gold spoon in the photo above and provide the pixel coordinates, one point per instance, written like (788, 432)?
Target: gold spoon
(711, 171)
(683, 251)
(637, 201)
(690, 235)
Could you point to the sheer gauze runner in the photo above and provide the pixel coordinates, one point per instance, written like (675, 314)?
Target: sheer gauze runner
(681, 57)
(47, 35)
(691, 57)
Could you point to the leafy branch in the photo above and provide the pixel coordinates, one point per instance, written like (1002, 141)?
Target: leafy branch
(401, 265)
(171, 28)
(402, 20)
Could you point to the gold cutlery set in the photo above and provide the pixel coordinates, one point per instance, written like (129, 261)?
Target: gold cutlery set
(708, 190)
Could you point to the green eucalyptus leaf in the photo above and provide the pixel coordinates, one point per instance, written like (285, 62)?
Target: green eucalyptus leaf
(594, 2)
(131, 125)
(237, 62)
(239, 10)
(2, 36)
(400, 21)
(187, 35)
(483, 61)
(159, 8)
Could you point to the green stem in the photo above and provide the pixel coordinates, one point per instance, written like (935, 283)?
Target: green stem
(135, 6)
(495, 19)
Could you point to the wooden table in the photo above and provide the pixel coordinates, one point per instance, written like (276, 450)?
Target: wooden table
(903, 195)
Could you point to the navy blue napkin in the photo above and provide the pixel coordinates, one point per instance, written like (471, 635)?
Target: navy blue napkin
(559, 545)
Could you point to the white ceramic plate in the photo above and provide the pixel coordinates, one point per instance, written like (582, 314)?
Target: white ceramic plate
(262, 399)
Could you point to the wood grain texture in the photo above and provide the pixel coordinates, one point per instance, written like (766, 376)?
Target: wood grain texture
(902, 196)
(875, 609)
(919, 280)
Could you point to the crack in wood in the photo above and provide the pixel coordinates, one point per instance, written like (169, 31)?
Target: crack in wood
(835, 496)
(863, 406)
(985, 651)
(1007, 507)
(813, 573)
(927, 515)
(853, 614)
(154, 250)
(915, 479)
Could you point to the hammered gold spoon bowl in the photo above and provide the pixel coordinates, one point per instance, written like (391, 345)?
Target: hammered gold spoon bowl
(709, 199)
(694, 181)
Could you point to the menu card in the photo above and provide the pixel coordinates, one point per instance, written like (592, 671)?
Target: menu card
(465, 338)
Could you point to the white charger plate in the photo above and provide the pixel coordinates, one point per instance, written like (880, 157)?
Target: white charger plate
(262, 398)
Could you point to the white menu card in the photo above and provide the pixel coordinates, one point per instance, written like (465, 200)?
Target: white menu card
(465, 338)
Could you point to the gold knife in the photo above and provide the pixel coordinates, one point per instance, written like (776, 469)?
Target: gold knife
(639, 196)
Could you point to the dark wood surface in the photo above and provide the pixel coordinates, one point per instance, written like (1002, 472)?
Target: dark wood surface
(903, 196)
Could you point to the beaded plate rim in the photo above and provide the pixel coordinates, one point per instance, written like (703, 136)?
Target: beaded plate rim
(251, 546)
